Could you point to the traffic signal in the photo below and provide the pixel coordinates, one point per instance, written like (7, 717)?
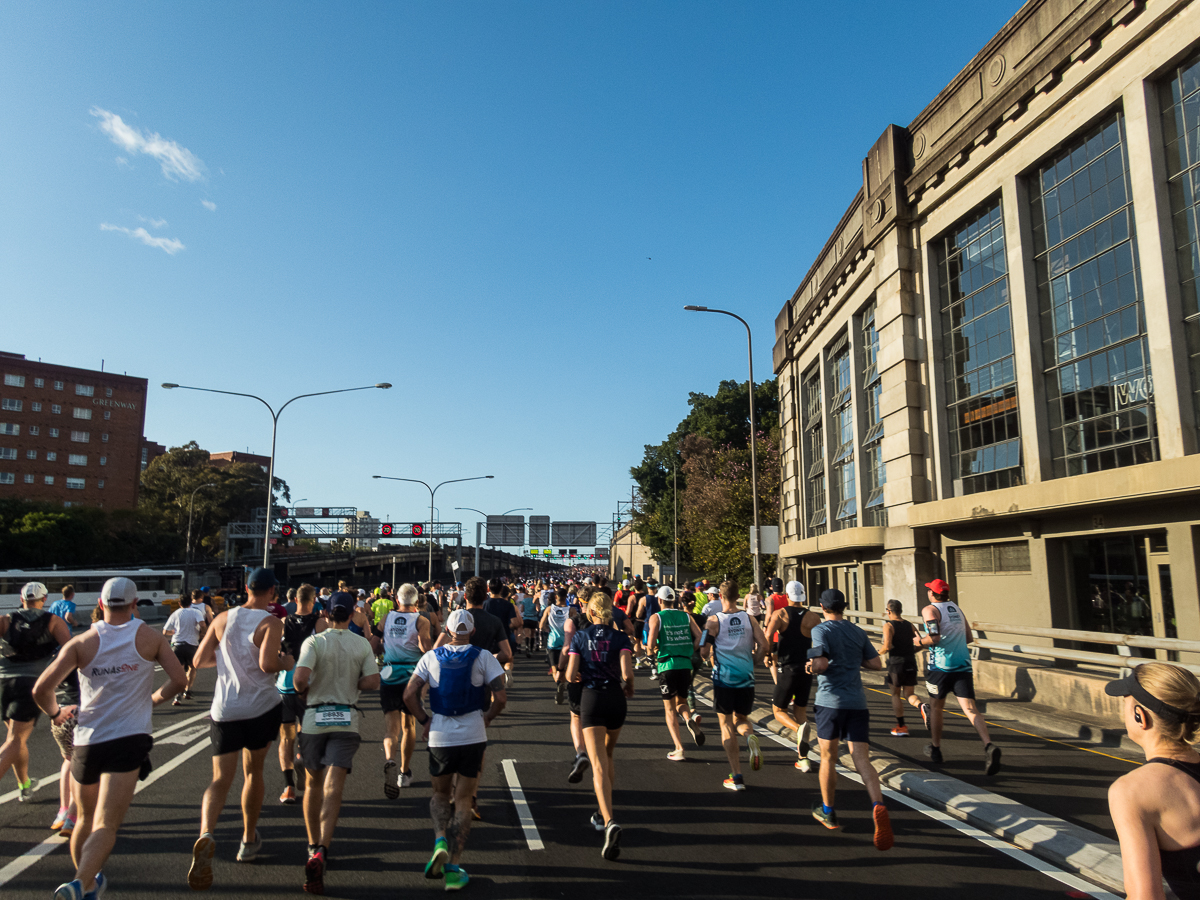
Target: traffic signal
(385, 530)
(287, 530)
(418, 530)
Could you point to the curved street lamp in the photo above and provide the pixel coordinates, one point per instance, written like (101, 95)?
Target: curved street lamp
(383, 385)
(753, 457)
(432, 491)
(187, 563)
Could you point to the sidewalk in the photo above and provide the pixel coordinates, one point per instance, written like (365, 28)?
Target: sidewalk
(1054, 774)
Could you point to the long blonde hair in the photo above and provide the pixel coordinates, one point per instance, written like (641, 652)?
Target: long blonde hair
(1178, 688)
(600, 606)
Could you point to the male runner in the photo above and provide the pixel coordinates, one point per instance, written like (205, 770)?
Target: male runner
(334, 666)
(527, 607)
(64, 607)
(244, 644)
(737, 645)
(840, 650)
(406, 636)
(555, 619)
(949, 670)
(897, 642)
(29, 638)
(185, 627)
(671, 639)
(380, 607)
(115, 659)
(498, 605)
(297, 628)
(459, 676)
(791, 627)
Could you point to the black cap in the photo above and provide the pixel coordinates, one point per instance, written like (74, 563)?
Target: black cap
(1129, 686)
(832, 598)
(261, 579)
(777, 585)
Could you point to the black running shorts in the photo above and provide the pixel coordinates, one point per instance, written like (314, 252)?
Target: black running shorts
(602, 709)
(675, 683)
(185, 653)
(575, 697)
(246, 734)
(294, 706)
(960, 684)
(553, 655)
(465, 760)
(16, 699)
(123, 754)
(793, 686)
(729, 700)
(901, 671)
(391, 698)
(842, 724)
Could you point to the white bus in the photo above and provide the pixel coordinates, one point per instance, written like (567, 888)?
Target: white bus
(155, 585)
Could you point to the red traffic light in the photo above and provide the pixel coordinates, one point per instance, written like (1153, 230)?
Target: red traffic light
(287, 530)
(385, 530)
(418, 530)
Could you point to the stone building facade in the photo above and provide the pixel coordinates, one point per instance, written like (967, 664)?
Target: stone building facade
(991, 372)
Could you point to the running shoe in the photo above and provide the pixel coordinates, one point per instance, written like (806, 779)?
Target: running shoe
(883, 827)
(200, 875)
(560, 692)
(597, 821)
(59, 819)
(654, 676)
(247, 852)
(924, 708)
(456, 877)
(187, 695)
(475, 809)
(314, 872)
(25, 794)
(804, 764)
(391, 784)
(612, 841)
(991, 753)
(755, 752)
(675, 756)
(934, 753)
(405, 779)
(437, 862)
(734, 782)
(68, 827)
(828, 819)
(177, 701)
(72, 890)
(288, 796)
(697, 718)
(693, 727)
(900, 731)
(101, 886)
(581, 765)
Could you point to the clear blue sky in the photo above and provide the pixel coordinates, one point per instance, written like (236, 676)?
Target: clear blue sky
(501, 208)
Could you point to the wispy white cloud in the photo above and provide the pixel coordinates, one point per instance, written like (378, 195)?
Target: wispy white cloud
(153, 223)
(177, 162)
(170, 246)
(209, 205)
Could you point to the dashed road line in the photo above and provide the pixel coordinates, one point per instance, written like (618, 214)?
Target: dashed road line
(526, 817)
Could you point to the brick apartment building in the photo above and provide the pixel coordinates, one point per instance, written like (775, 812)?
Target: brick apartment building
(70, 435)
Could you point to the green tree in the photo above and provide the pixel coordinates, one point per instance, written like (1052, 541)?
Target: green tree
(722, 419)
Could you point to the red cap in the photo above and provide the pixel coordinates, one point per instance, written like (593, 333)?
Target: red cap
(938, 586)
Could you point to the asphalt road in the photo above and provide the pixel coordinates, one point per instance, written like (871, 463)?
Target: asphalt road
(684, 834)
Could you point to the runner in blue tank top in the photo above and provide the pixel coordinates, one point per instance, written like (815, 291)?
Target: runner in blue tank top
(737, 645)
(948, 635)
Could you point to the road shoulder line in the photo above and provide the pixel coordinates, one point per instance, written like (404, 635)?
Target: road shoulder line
(532, 837)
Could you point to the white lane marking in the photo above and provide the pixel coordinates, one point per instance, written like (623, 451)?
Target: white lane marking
(527, 824)
(52, 779)
(52, 843)
(1039, 865)
(186, 736)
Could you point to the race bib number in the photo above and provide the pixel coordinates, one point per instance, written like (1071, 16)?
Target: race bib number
(333, 715)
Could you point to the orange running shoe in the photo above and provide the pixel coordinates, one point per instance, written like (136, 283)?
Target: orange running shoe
(883, 828)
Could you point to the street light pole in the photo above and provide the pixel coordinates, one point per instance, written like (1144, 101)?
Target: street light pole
(753, 435)
(432, 492)
(187, 547)
(477, 526)
(383, 385)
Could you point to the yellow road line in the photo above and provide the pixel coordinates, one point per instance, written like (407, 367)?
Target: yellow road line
(1040, 737)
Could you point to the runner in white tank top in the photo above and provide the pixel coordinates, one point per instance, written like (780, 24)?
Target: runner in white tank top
(247, 710)
(115, 659)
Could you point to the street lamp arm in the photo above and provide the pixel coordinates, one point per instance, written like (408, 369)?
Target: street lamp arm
(412, 480)
(186, 387)
(456, 480)
(723, 312)
(369, 387)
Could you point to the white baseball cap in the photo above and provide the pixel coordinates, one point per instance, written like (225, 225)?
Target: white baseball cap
(460, 622)
(665, 593)
(34, 590)
(795, 591)
(118, 592)
(712, 590)
(383, 585)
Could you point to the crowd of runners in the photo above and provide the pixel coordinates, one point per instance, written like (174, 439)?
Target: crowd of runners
(291, 670)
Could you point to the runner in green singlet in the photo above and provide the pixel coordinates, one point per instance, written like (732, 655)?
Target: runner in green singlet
(673, 638)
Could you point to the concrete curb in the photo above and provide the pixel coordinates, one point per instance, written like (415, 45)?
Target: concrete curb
(1070, 847)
